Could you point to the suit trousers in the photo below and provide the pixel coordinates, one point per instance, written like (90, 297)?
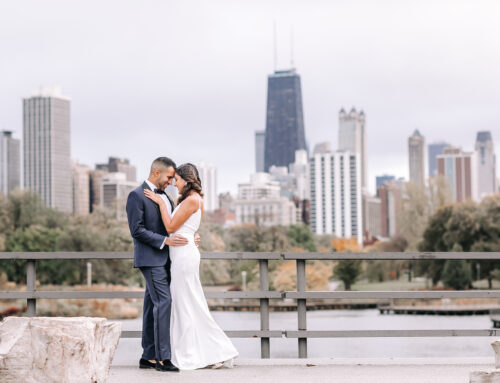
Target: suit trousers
(156, 314)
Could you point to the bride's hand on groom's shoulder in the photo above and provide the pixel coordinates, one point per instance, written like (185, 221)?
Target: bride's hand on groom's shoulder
(152, 196)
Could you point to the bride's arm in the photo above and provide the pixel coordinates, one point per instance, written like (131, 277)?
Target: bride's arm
(188, 207)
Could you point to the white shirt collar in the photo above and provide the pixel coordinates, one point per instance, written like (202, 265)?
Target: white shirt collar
(151, 185)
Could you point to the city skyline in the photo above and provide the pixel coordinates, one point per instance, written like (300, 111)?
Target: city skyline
(417, 88)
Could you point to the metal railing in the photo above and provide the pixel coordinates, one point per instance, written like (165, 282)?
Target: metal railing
(264, 294)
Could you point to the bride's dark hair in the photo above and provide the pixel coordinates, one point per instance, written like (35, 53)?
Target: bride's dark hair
(189, 173)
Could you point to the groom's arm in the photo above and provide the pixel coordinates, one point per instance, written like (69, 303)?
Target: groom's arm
(135, 215)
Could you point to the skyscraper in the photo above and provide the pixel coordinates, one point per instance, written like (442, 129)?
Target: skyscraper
(460, 168)
(10, 162)
(486, 163)
(119, 165)
(114, 191)
(352, 137)
(260, 143)
(380, 180)
(285, 119)
(208, 176)
(336, 206)
(47, 147)
(81, 188)
(435, 150)
(259, 202)
(96, 178)
(391, 205)
(416, 145)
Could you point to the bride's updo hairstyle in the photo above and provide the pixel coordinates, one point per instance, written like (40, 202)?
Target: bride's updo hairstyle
(189, 173)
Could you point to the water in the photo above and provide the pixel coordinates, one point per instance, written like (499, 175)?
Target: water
(129, 350)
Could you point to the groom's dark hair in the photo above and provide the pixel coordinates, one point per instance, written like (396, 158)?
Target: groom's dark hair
(162, 163)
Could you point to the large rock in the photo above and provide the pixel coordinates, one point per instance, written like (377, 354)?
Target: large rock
(62, 350)
(496, 348)
(490, 376)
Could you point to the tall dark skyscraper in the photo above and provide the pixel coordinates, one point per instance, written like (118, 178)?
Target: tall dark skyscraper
(285, 119)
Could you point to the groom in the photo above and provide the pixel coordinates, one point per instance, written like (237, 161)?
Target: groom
(151, 256)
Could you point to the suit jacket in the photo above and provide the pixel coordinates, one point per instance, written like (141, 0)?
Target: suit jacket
(147, 229)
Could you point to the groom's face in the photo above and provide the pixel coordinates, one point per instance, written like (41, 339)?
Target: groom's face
(165, 177)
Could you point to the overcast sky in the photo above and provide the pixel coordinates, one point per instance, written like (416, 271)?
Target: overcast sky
(187, 79)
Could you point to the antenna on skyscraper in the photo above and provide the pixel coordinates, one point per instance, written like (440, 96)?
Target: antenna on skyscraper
(291, 48)
(275, 47)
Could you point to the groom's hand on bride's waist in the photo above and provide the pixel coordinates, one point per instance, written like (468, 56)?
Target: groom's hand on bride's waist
(197, 239)
(176, 240)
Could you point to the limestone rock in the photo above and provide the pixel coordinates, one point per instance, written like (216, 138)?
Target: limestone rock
(490, 376)
(62, 350)
(496, 348)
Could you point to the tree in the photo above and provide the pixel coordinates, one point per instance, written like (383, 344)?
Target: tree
(433, 240)
(349, 270)
(415, 214)
(456, 274)
(301, 236)
(39, 238)
(381, 270)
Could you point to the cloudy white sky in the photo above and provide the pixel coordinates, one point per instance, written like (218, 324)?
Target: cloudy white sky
(187, 78)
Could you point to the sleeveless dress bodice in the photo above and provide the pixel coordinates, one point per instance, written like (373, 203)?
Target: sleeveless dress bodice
(191, 226)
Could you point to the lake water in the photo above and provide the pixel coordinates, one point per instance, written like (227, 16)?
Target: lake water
(129, 350)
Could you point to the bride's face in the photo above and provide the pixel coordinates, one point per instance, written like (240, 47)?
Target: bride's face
(179, 182)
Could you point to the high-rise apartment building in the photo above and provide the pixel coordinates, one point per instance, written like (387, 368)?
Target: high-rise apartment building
(416, 149)
(259, 202)
(380, 180)
(373, 208)
(460, 168)
(81, 188)
(96, 176)
(260, 144)
(119, 165)
(208, 176)
(47, 147)
(486, 164)
(391, 206)
(322, 147)
(434, 150)
(335, 186)
(352, 138)
(115, 189)
(285, 120)
(300, 172)
(10, 162)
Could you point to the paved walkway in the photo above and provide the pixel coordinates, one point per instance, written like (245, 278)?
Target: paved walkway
(318, 371)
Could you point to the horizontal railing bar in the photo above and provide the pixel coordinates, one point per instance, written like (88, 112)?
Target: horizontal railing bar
(391, 294)
(266, 255)
(231, 334)
(129, 294)
(67, 255)
(390, 333)
(394, 256)
(241, 255)
(130, 255)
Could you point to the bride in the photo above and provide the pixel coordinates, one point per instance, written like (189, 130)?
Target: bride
(196, 339)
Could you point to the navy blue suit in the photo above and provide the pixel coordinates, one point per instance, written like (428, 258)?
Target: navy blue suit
(152, 258)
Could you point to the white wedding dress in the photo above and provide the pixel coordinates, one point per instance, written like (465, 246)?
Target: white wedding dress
(195, 338)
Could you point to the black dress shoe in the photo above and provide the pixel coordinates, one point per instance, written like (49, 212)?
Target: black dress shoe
(166, 365)
(144, 363)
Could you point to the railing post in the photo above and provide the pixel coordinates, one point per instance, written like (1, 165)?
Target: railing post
(265, 351)
(31, 285)
(301, 306)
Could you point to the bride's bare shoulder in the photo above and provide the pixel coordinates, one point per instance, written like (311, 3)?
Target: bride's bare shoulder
(191, 201)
